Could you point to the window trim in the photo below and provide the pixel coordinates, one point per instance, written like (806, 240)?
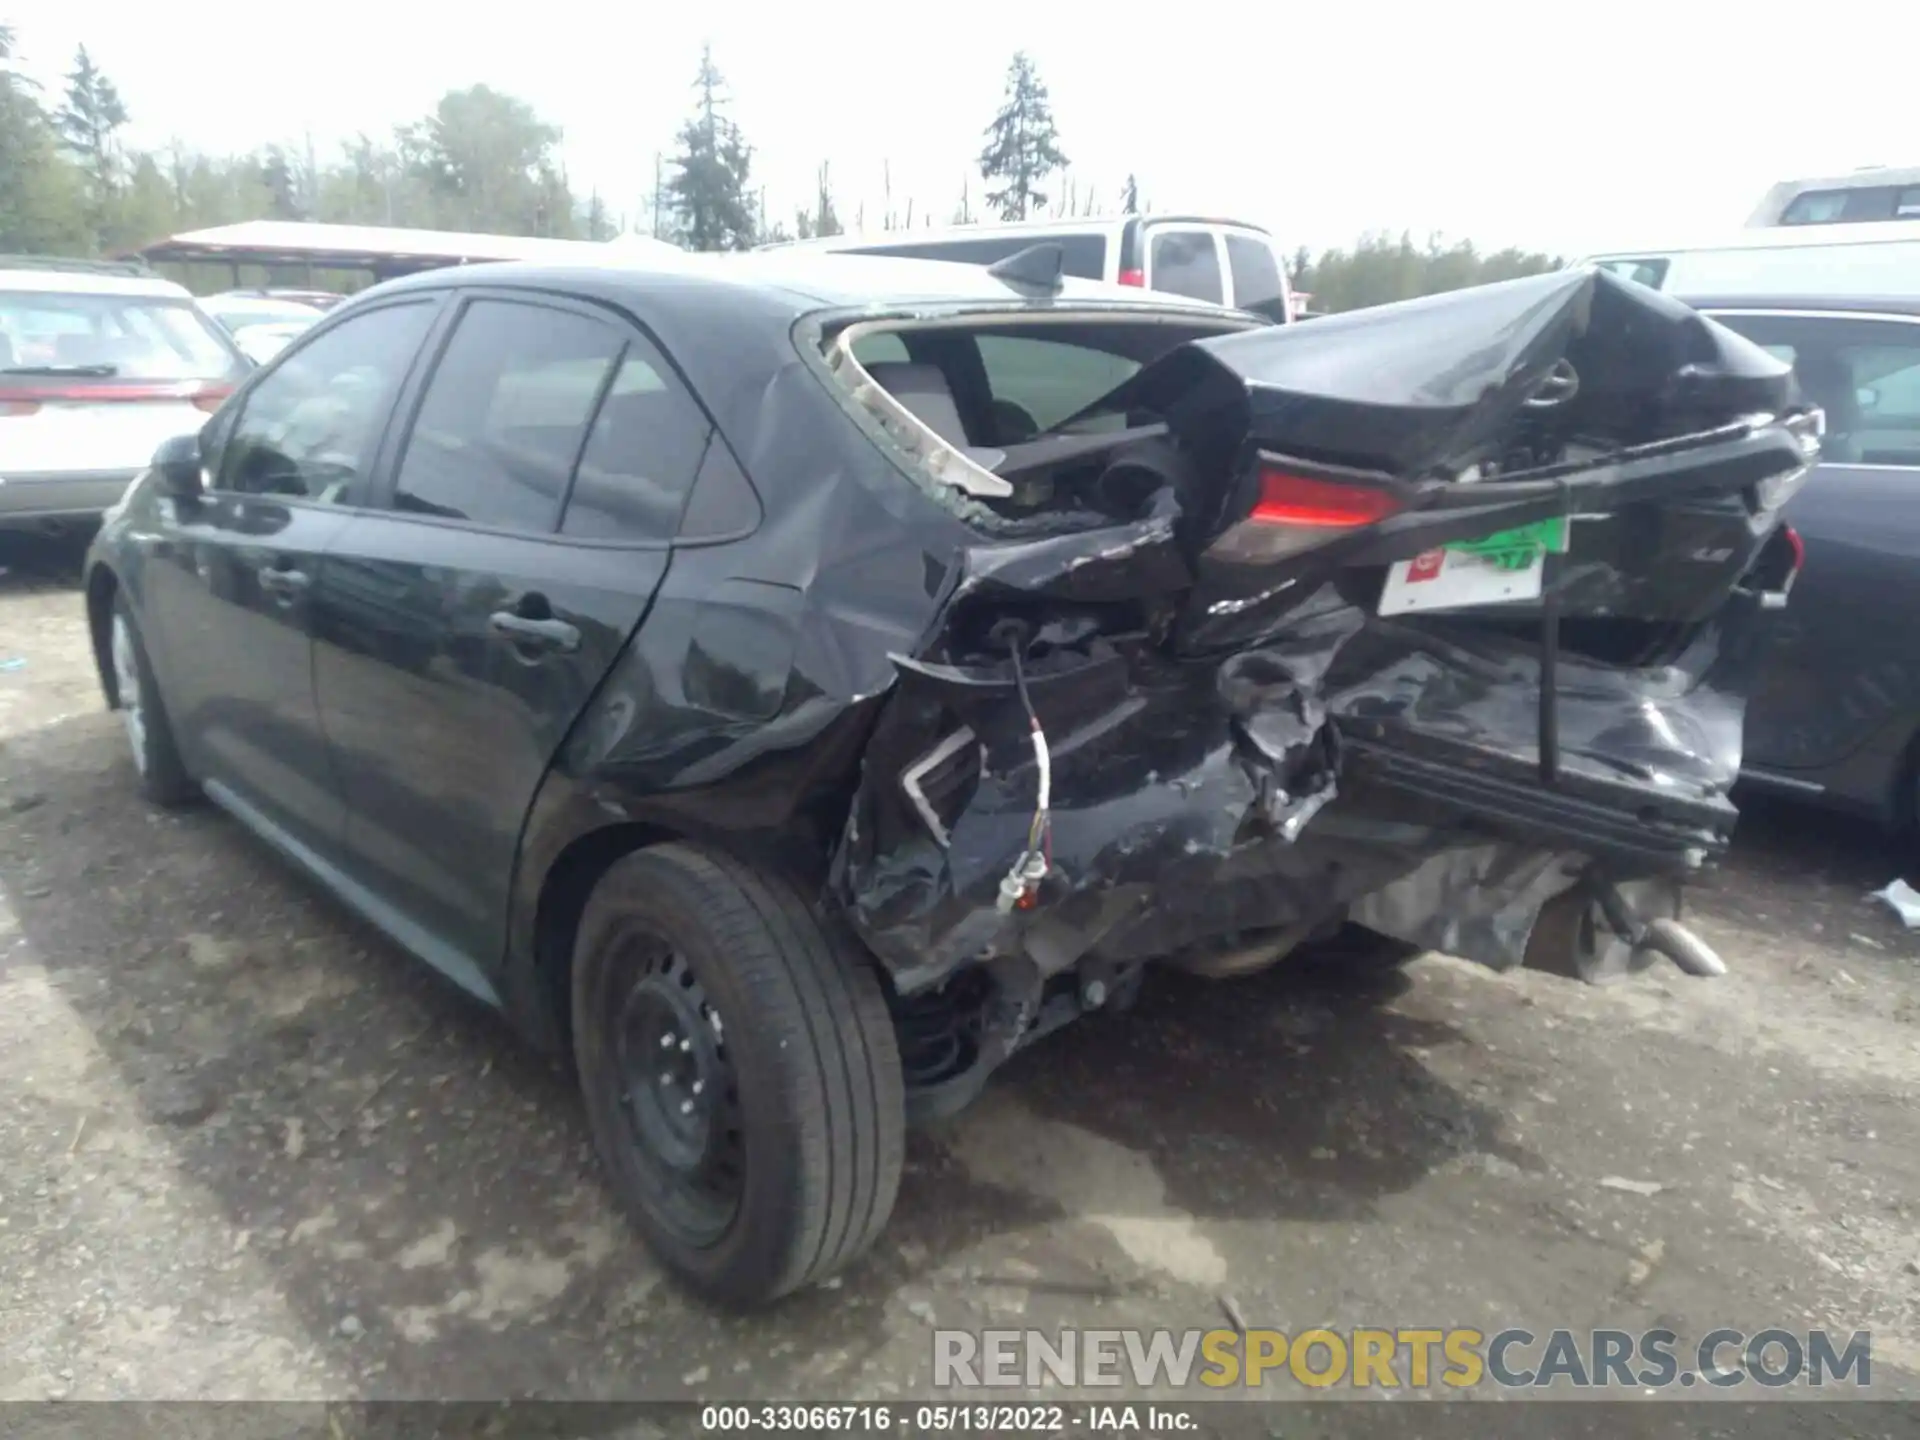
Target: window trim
(244, 395)
(386, 469)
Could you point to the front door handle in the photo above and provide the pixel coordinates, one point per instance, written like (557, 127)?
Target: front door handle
(283, 582)
(543, 634)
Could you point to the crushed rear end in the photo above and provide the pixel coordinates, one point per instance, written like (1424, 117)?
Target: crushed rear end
(1435, 619)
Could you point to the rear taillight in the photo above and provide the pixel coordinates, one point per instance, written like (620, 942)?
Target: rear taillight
(1302, 501)
(1134, 277)
(24, 398)
(1292, 513)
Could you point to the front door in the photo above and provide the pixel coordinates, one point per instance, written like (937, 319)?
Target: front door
(230, 587)
(463, 627)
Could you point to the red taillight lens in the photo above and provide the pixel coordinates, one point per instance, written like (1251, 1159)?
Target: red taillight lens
(1298, 500)
(1293, 513)
(1799, 548)
(1134, 277)
(25, 397)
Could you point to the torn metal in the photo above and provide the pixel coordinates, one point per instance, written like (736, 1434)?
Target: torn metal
(1236, 742)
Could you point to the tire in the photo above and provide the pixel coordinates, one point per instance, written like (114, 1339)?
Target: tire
(156, 759)
(740, 1073)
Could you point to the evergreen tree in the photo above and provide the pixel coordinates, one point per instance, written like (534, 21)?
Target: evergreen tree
(1023, 145)
(89, 125)
(41, 208)
(709, 192)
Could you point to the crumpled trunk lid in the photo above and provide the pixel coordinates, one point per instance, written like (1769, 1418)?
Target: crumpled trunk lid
(1198, 722)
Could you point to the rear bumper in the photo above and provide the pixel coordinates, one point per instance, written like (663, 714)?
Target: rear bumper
(1192, 800)
(29, 500)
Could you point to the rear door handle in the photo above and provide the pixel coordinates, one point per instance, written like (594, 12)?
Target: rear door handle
(543, 634)
(283, 582)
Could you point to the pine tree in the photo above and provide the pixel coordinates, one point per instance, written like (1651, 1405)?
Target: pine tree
(1130, 196)
(90, 121)
(1023, 145)
(41, 208)
(826, 220)
(709, 194)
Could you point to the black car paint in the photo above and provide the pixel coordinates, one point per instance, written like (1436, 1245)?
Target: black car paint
(1834, 716)
(728, 686)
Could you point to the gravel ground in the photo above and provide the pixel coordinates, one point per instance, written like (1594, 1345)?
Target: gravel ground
(247, 1149)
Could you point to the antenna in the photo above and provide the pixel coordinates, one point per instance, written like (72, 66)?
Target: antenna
(1038, 267)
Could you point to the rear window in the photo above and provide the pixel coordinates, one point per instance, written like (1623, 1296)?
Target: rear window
(1256, 274)
(1082, 256)
(1853, 205)
(1186, 262)
(128, 337)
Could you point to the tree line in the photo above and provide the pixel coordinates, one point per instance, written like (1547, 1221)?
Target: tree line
(482, 160)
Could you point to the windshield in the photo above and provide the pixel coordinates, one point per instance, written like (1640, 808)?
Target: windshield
(129, 337)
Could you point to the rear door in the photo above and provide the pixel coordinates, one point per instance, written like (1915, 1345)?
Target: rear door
(523, 529)
(1846, 666)
(1256, 280)
(1187, 260)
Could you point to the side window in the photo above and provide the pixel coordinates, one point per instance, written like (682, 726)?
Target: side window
(1038, 383)
(641, 458)
(1865, 374)
(505, 414)
(1256, 274)
(1186, 262)
(308, 429)
(885, 348)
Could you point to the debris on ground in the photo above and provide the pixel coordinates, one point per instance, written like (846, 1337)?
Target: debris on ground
(1632, 1187)
(1903, 900)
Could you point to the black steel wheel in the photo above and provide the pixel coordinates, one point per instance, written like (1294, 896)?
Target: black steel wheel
(740, 1073)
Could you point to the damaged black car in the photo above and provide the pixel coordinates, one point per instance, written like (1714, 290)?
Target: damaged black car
(789, 685)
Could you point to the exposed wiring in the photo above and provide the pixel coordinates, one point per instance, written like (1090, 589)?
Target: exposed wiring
(1033, 863)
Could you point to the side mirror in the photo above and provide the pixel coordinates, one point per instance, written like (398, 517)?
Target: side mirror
(178, 465)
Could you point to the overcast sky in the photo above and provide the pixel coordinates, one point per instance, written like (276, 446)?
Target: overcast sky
(1562, 129)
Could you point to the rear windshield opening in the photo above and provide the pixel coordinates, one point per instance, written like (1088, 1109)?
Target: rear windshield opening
(124, 337)
(1033, 405)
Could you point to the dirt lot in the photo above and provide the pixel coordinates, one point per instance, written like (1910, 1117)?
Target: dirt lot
(248, 1150)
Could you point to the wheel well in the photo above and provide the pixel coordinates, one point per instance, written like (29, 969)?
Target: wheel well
(563, 898)
(102, 586)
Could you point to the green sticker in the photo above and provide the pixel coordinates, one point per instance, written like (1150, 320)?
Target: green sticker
(1516, 549)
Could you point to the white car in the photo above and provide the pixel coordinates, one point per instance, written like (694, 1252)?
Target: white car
(262, 325)
(1223, 262)
(98, 365)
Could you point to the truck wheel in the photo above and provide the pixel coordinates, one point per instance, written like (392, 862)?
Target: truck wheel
(740, 1073)
(163, 776)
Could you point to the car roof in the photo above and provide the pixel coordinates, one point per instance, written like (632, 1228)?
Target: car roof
(1902, 306)
(1040, 230)
(793, 280)
(87, 282)
(1773, 237)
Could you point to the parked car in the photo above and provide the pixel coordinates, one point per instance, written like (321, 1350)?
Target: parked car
(1227, 262)
(1861, 261)
(1835, 718)
(262, 325)
(790, 686)
(1876, 193)
(98, 364)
